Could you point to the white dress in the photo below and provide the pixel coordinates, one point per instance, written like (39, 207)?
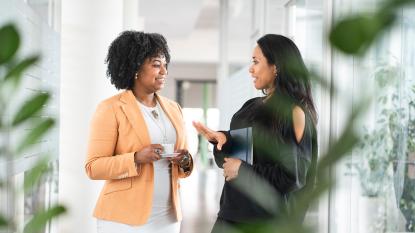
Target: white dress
(162, 218)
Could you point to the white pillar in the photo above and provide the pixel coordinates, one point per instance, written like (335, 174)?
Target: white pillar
(131, 19)
(223, 71)
(88, 27)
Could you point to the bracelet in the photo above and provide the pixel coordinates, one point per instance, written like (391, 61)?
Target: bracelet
(185, 161)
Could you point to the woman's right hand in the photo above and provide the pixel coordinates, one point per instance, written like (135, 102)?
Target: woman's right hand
(148, 154)
(210, 135)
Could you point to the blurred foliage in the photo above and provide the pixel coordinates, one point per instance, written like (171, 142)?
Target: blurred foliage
(9, 43)
(42, 217)
(411, 121)
(407, 200)
(265, 196)
(407, 204)
(379, 147)
(352, 35)
(12, 69)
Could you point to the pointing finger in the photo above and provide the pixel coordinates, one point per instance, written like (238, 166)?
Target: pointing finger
(219, 145)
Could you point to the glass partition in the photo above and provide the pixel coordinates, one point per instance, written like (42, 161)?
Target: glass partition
(374, 191)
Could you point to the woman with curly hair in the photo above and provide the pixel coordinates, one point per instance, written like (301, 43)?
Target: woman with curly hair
(137, 141)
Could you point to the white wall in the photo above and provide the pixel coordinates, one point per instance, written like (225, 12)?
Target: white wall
(88, 27)
(200, 46)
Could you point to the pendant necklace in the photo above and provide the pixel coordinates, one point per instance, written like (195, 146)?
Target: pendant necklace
(156, 117)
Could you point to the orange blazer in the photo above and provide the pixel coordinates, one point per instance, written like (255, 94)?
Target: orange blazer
(117, 131)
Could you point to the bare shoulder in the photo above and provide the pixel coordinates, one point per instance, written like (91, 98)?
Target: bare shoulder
(298, 122)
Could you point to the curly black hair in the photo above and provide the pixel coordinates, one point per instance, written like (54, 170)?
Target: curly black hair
(129, 51)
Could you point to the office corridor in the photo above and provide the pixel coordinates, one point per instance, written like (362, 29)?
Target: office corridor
(200, 195)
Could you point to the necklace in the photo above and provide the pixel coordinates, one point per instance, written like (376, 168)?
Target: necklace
(154, 115)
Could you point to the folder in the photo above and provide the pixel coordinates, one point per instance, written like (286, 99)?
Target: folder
(242, 144)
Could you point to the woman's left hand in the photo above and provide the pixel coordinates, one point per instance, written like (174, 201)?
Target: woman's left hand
(231, 168)
(179, 158)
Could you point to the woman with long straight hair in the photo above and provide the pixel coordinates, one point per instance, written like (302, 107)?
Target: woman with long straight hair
(284, 136)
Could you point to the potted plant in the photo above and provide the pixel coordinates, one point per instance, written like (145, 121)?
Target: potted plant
(407, 198)
(378, 149)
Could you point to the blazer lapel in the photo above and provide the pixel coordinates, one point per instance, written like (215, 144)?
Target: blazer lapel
(134, 116)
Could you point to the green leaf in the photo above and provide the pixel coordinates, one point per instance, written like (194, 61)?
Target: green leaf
(9, 42)
(33, 176)
(355, 34)
(41, 218)
(347, 140)
(258, 190)
(30, 108)
(393, 5)
(3, 222)
(34, 135)
(16, 72)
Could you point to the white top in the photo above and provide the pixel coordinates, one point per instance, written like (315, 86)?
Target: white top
(162, 218)
(161, 131)
(160, 127)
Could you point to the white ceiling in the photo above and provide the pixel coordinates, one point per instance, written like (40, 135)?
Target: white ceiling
(191, 27)
(178, 18)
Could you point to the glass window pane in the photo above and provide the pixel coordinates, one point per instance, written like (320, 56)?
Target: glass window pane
(374, 191)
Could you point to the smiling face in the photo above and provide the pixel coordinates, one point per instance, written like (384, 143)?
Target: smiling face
(152, 75)
(263, 74)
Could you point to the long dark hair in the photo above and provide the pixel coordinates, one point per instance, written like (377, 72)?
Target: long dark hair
(291, 87)
(292, 83)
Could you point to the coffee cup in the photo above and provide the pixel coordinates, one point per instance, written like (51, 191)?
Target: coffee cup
(168, 150)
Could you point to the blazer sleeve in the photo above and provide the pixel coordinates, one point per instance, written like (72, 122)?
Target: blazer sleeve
(101, 162)
(182, 172)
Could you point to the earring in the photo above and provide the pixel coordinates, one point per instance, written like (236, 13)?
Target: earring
(136, 76)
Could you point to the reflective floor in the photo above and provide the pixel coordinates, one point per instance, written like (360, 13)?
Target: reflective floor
(200, 195)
